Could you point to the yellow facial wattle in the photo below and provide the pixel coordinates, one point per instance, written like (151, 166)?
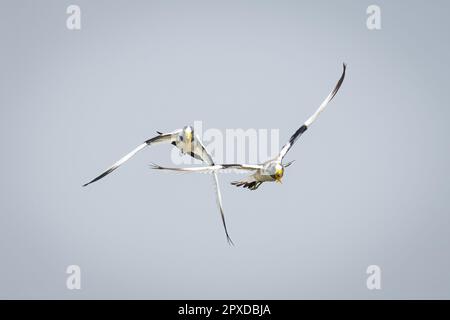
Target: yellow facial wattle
(188, 135)
(279, 173)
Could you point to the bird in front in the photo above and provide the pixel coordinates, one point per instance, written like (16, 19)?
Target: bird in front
(273, 169)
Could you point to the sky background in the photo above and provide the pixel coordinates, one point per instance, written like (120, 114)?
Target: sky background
(370, 184)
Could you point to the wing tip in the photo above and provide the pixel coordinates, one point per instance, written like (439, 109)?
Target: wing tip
(339, 83)
(252, 185)
(344, 68)
(88, 183)
(155, 166)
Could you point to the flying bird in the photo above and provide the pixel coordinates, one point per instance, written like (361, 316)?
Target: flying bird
(189, 143)
(271, 170)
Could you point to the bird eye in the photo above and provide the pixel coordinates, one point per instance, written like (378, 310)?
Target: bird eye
(181, 138)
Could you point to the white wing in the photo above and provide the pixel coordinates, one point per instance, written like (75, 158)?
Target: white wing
(311, 119)
(162, 137)
(209, 169)
(200, 152)
(219, 204)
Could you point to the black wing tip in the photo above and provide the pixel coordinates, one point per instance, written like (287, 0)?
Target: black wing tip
(230, 242)
(341, 80)
(155, 166)
(92, 181)
(289, 163)
(104, 174)
(344, 68)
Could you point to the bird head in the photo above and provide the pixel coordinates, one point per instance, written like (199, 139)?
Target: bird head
(188, 133)
(278, 171)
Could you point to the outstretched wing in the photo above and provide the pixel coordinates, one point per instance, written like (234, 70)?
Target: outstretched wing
(199, 151)
(162, 137)
(311, 119)
(249, 182)
(209, 169)
(219, 204)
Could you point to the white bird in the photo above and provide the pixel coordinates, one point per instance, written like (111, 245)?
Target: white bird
(271, 170)
(189, 143)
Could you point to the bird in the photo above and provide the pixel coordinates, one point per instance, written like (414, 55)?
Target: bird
(273, 169)
(189, 143)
